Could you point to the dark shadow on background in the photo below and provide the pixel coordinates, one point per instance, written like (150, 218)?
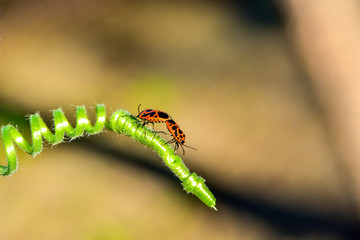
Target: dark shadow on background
(258, 13)
(295, 221)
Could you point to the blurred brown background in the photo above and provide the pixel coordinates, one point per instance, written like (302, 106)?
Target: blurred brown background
(266, 91)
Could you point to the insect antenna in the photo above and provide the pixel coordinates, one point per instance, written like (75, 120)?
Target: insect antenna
(181, 145)
(139, 109)
(190, 147)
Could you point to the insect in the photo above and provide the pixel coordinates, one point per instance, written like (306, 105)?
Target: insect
(179, 136)
(152, 116)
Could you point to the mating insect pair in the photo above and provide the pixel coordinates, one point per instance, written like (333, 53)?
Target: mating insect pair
(156, 116)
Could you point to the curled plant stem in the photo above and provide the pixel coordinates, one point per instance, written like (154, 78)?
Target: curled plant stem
(121, 122)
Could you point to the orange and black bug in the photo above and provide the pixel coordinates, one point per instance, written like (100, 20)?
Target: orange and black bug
(152, 116)
(179, 136)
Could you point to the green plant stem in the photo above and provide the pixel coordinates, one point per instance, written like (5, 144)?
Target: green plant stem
(120, 122)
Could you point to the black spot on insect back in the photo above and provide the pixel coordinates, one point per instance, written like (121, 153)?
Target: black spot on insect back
(171, 122)
(182, 137)
(163, 115)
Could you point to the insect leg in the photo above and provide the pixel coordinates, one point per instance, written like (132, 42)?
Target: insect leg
(182, 148)
(171, 141)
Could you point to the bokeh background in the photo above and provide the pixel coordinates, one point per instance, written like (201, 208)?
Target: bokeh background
(232, 74)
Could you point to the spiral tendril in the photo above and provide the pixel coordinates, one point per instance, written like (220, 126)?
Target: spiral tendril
(121, 122)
